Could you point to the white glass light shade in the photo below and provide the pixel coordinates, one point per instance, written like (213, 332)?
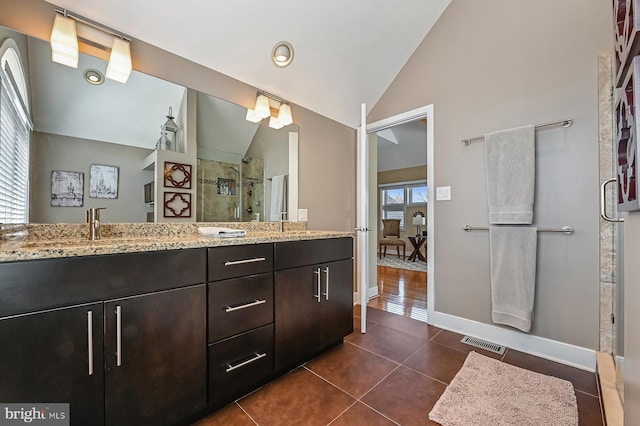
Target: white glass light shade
(284, 115)
(281, 53)
(252, 116)
(419, 220)
(274, 123)
(119, 68)
(64, 42)
(262, 106)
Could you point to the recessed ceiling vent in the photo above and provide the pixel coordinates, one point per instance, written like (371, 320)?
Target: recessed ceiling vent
(483, 344)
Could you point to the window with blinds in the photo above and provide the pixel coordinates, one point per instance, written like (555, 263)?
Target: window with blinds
(15, 127)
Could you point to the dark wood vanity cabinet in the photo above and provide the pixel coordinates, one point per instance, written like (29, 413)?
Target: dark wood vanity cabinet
(155, 357)
(54, 352)
(55, 356)
(240, 304)
(314, 298)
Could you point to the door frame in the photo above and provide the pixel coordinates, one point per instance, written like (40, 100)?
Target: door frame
(424, 112)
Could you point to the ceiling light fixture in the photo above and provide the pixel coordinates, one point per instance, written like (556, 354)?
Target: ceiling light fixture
(282, 54)
(265, 104)
(93, 76)
(67, 29)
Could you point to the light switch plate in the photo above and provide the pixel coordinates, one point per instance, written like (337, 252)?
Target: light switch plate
(302, 215)
(443, 193)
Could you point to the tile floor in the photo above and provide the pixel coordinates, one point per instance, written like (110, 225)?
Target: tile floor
(392, 375)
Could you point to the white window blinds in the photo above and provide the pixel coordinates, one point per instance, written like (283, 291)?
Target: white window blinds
(15, 127)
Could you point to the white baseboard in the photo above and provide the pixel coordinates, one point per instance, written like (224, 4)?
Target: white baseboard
(553, 350)
(371, 293)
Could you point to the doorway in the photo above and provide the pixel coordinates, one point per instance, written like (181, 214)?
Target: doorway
(388, 134)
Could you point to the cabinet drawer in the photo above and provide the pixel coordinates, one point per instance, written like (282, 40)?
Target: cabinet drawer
(239, 305)
(237, 261)
(239, 363)
(50, 283)
(291, 254)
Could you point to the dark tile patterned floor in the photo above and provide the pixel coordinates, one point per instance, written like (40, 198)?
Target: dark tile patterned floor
(392, 375)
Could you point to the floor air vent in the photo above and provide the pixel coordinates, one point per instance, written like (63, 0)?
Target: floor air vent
(483, 344)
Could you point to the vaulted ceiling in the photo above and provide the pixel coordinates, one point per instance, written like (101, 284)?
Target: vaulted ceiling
(346, 52)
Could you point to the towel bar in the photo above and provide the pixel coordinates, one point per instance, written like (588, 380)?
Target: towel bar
(564, 123)
(567, 230)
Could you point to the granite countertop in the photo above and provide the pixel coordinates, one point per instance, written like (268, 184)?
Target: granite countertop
(42, 241)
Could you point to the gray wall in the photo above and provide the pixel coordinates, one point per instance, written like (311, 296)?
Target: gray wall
(54, 152)
(494, 65)
(326, 148)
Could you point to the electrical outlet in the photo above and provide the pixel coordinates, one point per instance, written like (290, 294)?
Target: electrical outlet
(302, 215)
(443, 193)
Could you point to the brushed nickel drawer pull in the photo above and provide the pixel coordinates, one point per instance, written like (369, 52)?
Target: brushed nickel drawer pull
(326, 295)
(246, 305)
(90, 339)
(231, 367)
(118, 336)
(239, 262)
(317, 296)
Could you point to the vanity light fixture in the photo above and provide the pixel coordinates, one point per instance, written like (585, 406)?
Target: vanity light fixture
(64, 41)
(284, 114)
(67, 29)
(265, 104)
(282, 54)
(262, 109)
(274, 123)
(119, 68)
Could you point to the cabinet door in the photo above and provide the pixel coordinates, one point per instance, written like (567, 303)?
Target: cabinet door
(155, 357)
(337, 301)
(297, 315)
(55, 357)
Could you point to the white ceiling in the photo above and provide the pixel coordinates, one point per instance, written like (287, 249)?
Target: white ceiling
(346, 52)
(402, 146)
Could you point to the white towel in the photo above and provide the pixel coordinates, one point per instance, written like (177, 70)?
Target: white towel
(511, 172)
(513, 274)
(217, 232)
(277, 198)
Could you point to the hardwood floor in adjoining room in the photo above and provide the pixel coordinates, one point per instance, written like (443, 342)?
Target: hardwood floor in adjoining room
(402, 292)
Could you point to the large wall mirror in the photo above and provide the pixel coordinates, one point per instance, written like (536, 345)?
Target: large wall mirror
(77, 124)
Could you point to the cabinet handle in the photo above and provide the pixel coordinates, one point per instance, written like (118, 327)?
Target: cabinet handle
(231, 367)
(326, 295)
(118, 336)
(247, 305)
(238, 262)
(317, 272)
(90, 340)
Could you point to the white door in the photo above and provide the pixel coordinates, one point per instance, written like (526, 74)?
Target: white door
(363, 229)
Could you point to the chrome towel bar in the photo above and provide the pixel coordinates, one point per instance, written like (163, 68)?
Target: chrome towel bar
(564, 123)
(567, 230)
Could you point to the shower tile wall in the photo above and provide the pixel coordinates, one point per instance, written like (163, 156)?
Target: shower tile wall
(211, 206)
(253, 189)
(608, 261)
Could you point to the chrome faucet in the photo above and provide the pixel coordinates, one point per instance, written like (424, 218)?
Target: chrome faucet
(283, 217)
(93, 219)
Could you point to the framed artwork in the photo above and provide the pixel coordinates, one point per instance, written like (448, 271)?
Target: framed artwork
(103, 181)
(177, 175)
(177, 204)
(67, 189)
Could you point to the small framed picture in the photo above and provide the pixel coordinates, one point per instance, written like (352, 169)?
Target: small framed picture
(103, 181)
(177, 204)
(177, 175)
(67, 189)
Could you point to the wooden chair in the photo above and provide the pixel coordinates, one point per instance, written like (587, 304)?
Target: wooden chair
(391, 237)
